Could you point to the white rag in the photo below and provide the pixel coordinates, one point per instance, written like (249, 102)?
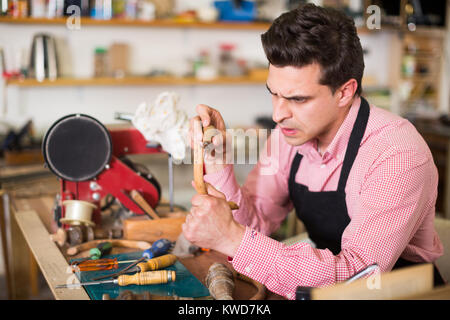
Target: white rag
(164, 123)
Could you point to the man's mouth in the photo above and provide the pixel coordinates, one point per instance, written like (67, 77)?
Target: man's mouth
(289, 131)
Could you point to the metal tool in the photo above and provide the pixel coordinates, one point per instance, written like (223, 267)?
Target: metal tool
(143, 278)
(103, 248)
(99, 264)
(362, 273)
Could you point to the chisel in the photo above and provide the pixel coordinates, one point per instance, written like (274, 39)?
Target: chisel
(142, 278)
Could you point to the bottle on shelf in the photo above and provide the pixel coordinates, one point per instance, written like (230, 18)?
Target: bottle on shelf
(100, 62)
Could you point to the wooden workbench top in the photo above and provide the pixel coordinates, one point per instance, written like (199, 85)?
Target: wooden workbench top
(33, 216)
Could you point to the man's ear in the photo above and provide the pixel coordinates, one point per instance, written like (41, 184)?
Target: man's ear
(346, 92)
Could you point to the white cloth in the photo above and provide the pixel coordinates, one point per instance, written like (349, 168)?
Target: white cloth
(165, 123)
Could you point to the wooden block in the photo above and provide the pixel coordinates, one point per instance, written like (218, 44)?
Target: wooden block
(396, 284)
(152, 230)
(440, 293)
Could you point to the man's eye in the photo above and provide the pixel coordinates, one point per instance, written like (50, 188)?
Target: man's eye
(298, 99)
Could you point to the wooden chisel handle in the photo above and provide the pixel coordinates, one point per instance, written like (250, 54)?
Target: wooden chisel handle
(139, 199)
(199, 183)
(141, 245)
(157, 263)
(150, 277)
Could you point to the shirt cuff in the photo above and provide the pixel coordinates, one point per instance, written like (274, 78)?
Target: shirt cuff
(224, 181)
(256, 255)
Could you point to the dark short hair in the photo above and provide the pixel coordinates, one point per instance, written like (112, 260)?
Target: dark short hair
(312, 34)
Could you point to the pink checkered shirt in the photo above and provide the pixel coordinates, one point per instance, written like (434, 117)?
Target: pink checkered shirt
(390, 195)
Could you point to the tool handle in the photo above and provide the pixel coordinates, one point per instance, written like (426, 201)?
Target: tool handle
(150, 277)
(102, 249)
(157, 263)
(141, 245)
(94, 265)
(159, 247)
(136, 196)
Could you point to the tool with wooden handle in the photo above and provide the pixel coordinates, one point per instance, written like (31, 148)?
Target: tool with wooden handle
(142, 278)
(199, 154)
(156, 263)
(99, 264)
(140, 245)
(139, 199)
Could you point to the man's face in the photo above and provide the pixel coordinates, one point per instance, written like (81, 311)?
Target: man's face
(303, 108)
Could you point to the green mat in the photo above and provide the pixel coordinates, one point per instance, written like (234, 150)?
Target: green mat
(186, 285)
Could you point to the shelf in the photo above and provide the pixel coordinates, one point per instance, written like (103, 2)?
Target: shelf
(136, 81)
(168, 23)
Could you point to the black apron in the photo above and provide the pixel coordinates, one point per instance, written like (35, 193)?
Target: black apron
(325, 214)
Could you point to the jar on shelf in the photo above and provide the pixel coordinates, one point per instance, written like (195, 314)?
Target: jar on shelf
(100, 62)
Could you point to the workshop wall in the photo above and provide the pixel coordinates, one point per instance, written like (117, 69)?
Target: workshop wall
(150, 49)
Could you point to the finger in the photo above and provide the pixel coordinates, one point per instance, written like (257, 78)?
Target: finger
(204, 112)
(199, 200)
(214, 192)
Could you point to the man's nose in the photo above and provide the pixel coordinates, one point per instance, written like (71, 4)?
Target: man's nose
(280, 110)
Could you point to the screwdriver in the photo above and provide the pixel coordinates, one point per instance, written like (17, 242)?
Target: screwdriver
(101, 250)
(143, 278)
(99, 264)
(158, 248)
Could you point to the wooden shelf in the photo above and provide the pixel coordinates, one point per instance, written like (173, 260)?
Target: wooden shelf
(169, 23)
(136, 81)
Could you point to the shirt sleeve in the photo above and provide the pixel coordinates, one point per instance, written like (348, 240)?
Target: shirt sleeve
(394, 199)
(264, 198)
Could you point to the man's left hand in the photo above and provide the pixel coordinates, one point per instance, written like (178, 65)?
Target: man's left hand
(210, 223)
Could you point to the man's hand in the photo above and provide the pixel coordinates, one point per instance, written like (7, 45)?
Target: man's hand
(210, 223)
(215, 159)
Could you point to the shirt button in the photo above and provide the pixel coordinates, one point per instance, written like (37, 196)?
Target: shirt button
(289, 296)
(247, 269)
(322, 166)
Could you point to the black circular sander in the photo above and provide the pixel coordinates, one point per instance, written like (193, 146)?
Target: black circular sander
(77, 147)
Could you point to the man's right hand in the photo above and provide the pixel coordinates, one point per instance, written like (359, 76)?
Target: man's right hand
(215, 159)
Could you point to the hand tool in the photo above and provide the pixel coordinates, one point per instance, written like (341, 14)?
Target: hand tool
(141, 245)
(199, 183)
(182, 247)
(116, 274)
(108, 264)
(155, 263)
(158, 248)
(99, 264)
(362, 273)
(103, 248)
(139, 199)
(142, 278)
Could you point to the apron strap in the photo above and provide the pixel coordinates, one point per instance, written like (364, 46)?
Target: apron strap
(294, 168)
(354, 142)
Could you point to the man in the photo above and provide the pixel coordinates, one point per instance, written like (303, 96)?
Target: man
(361, 179)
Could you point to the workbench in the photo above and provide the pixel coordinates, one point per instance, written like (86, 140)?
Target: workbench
(29, 222)
(31, 219)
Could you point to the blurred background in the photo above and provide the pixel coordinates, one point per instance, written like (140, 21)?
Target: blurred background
(100, 57)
